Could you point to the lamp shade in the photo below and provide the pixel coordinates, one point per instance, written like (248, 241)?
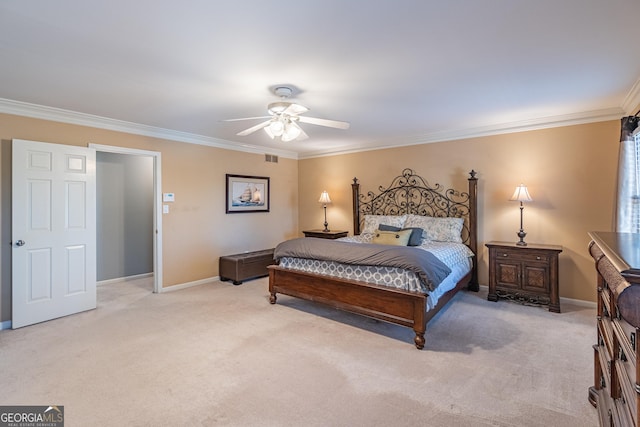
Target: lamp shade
(521, 194)
(324, 198)
(291, 131)
(276, 127)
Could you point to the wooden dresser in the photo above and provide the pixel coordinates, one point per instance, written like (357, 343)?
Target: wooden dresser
(616, 389)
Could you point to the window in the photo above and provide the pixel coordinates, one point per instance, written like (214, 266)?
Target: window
(634, 170)
(628, 201)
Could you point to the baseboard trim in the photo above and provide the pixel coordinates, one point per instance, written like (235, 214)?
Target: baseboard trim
(579, 302)
(189, 284)
(5, 325)
(124, 279)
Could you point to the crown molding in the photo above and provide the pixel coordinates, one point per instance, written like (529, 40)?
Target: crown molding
(72, 117)
(35, 111)
(632, 100)
(488, 130)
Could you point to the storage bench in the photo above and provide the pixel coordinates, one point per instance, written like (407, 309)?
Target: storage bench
(248, 265)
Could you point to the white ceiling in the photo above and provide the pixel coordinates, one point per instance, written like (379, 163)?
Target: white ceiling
(401, 72)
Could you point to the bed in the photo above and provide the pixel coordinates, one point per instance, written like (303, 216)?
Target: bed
(409, 196)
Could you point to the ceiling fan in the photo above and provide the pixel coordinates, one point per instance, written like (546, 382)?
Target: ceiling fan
(284, 118)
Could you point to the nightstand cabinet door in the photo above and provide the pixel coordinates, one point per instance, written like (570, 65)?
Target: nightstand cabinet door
(536, 278)
(524, 273)
(508, 272)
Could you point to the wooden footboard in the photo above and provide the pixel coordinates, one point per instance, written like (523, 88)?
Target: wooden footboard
(379, 302)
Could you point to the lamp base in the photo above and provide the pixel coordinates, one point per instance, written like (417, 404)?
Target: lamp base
(521, 235)
(326, 224)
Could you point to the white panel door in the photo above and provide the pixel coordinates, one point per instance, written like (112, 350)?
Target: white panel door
(53, 231)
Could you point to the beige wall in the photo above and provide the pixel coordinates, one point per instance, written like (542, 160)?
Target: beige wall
(570, 173)
(197, 230)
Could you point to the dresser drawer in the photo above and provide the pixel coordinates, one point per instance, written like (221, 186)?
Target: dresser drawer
(626, 335)
(627, 373)
(605, 331)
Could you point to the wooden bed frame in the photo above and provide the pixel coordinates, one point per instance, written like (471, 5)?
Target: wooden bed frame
(407, 194)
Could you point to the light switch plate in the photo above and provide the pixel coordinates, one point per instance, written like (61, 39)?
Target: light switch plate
(165, 209)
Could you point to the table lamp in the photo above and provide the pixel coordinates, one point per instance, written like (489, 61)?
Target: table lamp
(325, 200)
(521, 195)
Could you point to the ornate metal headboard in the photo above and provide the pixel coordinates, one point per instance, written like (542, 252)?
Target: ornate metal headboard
(411, 194)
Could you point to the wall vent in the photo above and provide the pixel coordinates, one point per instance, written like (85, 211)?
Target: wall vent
(271, 158)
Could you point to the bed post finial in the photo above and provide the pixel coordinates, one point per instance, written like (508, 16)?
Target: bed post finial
(473, 227)
(355, 194)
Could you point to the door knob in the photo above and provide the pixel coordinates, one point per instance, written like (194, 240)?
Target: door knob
(20, 243)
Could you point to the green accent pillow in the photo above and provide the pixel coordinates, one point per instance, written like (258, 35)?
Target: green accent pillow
(396, 238)
(416, 233)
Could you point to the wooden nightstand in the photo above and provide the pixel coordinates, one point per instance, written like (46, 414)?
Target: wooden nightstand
(524, 273)
(333, 234)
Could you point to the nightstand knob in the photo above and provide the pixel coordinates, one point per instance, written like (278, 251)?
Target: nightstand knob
(538, 258)
(505, 255)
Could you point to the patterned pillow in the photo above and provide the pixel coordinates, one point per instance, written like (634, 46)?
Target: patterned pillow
(371, 222)
(396, 238)
(437, 229)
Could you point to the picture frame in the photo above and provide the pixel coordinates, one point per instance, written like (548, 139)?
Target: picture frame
(246, 193)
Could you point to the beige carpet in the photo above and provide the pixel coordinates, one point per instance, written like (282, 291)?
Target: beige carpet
(219, 354)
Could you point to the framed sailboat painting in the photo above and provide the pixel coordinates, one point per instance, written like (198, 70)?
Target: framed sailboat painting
(247, 193)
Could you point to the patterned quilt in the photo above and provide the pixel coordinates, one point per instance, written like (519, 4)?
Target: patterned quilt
(424, 264)
(456, 256)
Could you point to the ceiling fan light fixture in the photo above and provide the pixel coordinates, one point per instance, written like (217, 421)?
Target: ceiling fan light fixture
(275, 128)
(284, 118)
(291, 132)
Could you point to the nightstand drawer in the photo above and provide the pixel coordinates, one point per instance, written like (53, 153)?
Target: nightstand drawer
(519, 256)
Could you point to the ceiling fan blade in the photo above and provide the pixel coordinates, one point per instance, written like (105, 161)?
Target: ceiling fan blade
(254, 128)
(295, 109)
(303, 135)
(245, 118)
(323, 122)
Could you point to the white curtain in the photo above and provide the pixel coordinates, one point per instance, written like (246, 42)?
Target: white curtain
(628, 201)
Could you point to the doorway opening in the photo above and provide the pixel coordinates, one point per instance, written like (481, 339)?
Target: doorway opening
(135, 254)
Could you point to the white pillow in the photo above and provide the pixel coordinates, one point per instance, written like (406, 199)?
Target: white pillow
(436, 228)
(371, 222)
